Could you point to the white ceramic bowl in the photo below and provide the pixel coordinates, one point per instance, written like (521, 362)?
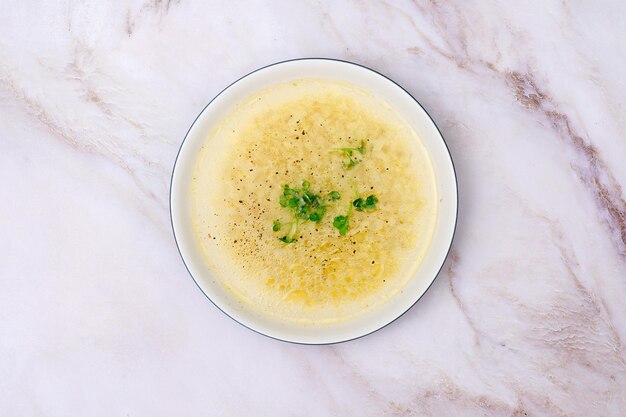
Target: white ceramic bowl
(403, 103)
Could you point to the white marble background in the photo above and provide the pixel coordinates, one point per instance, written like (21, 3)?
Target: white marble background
(98, 316)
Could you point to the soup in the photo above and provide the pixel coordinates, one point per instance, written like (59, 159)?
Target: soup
(313, 201)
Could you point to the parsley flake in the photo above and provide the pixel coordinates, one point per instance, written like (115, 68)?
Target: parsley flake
(350, 153)
(342, 223)
(303, 204)
(367, 204)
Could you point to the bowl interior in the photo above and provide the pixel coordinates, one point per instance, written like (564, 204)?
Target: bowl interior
(407, 107)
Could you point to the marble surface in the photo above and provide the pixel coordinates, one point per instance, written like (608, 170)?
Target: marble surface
(99, 317)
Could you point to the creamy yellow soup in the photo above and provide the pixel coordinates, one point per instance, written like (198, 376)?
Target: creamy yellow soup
(341, 144)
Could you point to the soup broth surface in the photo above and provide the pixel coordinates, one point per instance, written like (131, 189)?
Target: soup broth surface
(333, 143)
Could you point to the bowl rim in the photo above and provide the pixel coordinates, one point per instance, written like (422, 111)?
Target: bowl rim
(456, 192)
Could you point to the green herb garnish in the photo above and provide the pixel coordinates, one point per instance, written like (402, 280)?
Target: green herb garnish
(317, 215)
(307, 206)
(304, 205)
(342, 223)
(350, 154)
(368, 204)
